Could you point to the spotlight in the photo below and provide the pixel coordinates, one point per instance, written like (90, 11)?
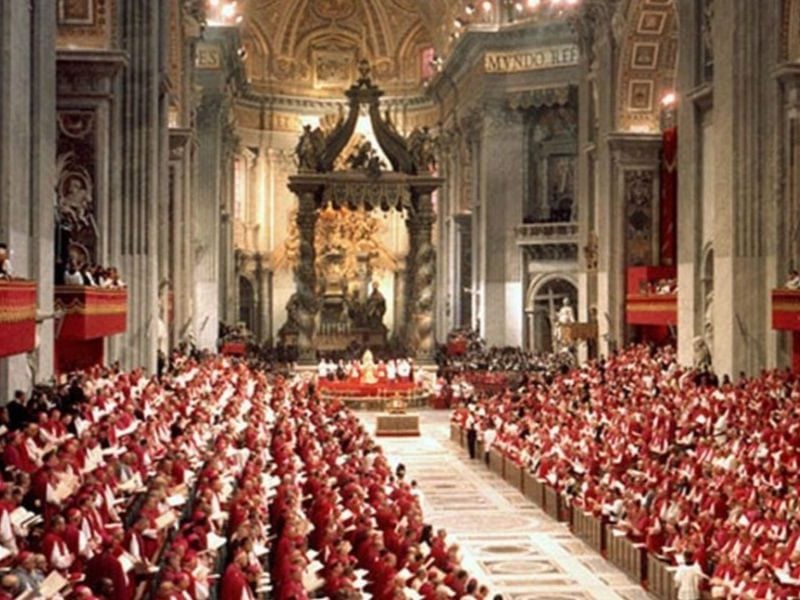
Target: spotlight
(487, 6)
(668, 99)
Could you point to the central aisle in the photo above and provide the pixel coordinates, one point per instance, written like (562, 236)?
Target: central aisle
(506, 541)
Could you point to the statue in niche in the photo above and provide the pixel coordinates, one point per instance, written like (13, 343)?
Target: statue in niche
(701, 354)
(562, 188)
(564, 317)
(355, 310)
(310, 148)
(75, 203)
(422, 149)
(375, 308)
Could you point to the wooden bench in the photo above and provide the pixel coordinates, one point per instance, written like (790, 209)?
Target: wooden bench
(629, 557)
(457, 434)
(588, 528)
(533, 489)
(661, 579)
(555, 506)
(496, 462)
(513, 473)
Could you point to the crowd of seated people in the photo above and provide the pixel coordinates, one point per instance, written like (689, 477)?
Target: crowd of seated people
(211, 479)
(478, 357)
(702, 472)
(662, 287)
(93, 276)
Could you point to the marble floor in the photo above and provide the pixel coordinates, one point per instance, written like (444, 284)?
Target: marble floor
(506, 541)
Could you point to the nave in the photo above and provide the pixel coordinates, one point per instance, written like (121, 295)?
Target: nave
(506, 541)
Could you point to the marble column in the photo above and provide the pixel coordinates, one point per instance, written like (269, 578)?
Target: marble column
(206, 229)
(694, 106)
(305, 274)
(501, 186)
(633, 190)
(27, 178)
(745, 118)
(422, 274)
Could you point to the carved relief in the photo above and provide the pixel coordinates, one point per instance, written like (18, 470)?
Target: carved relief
(84, 23)
(316, 43)
(76, 229)
(639, 196)
(648, 49)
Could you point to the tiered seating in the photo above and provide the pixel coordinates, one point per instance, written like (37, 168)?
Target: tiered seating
(658, 467)
(213, 480)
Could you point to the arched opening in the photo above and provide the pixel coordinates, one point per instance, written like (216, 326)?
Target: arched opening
(545, 298)
(247, 304)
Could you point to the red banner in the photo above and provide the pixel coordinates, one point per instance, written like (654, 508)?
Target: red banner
(669, 197)
(786, 310)
(90, 312)
(652, 309)
(17, 317)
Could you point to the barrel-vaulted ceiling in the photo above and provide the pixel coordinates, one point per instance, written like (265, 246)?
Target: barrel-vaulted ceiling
(312, 47)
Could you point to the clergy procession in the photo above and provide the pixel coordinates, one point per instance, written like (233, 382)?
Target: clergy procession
(211, 481)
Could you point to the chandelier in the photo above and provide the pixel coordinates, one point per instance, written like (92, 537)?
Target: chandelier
(223, 13)
(501, 12)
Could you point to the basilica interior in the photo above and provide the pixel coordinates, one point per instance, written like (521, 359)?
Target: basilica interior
(399, 207)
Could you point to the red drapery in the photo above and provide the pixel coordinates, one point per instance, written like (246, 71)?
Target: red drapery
(669, 197)
(17, 317)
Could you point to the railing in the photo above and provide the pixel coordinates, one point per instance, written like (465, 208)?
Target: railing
(17, 317)
(546, 233)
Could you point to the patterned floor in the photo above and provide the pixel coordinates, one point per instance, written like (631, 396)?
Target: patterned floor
(506, 541)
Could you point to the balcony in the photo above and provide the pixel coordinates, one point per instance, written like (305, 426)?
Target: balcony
(88, 315)
(17, 317)
(91, 312)
(786, 310)
(546, 233)
(644, 303)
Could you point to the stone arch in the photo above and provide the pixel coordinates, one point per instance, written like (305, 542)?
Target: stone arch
(259, 51)
(648, 39)
(542, 299)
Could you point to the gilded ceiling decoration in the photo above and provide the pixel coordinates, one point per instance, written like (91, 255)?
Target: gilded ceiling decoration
(312, 47)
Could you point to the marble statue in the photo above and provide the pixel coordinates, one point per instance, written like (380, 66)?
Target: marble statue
(310, 148)
(565, 316)
(375, 308)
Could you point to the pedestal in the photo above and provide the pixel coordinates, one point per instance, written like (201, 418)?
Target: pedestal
(397, 425)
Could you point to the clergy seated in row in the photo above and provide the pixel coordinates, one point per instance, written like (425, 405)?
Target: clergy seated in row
(367, 371)
(118, 484)
(95, 276)
(675, 463)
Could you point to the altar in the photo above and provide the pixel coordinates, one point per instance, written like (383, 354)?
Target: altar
(338, 305)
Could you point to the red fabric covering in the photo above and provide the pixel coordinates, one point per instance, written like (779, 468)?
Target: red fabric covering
(457, 347)
(652, 310)
(356, 388)
(77, 355)
(91, 312)
(17, 317)
(786, 310)
(669, 197)
(234, 348)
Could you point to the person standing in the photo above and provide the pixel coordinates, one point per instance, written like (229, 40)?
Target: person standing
(472, 435)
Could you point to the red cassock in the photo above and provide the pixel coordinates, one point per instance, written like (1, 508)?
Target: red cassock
(106, 566)
(234, 584)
